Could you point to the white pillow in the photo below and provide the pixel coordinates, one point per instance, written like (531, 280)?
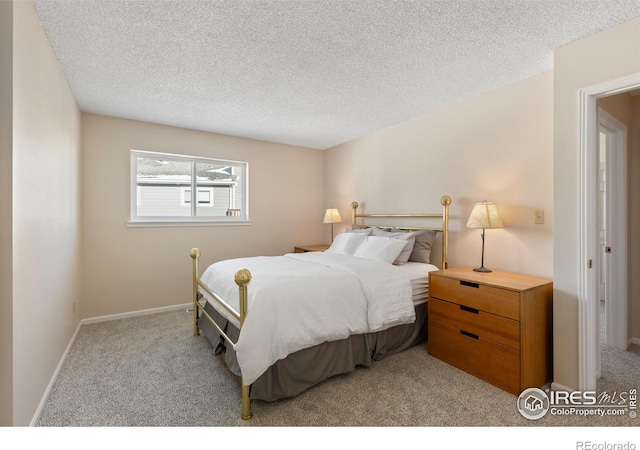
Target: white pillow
(410, 238)
(367, 231)
(380, 248)
(346, 243)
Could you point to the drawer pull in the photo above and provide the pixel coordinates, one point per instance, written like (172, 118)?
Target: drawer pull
(469, 283)
(468, 309)
(471, 335)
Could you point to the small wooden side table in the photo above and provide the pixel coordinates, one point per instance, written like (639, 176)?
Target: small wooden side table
(310, 248)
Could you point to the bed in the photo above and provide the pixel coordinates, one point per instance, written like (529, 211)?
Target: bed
(286, 323)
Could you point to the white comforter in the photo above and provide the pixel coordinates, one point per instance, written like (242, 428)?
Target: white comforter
(303, 299)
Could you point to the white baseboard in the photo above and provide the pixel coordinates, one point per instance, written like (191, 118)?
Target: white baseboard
(635, 341)
(560, 387)
(127, 315)
(99, 319)
(47, 391)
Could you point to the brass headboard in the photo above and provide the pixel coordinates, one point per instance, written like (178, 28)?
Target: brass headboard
(444, 229)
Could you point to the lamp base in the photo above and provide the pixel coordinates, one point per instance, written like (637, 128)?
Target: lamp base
(482, 269)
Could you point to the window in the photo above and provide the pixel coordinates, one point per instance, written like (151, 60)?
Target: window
(167, 188)
(205, 196)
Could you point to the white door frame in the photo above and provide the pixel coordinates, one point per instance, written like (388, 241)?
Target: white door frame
(588, 339)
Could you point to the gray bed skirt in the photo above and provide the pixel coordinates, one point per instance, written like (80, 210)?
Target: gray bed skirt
(303, 369)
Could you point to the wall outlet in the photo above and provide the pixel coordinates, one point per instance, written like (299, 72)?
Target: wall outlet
(539, 217)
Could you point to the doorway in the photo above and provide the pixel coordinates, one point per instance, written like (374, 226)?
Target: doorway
(611, 208)
(610, 267)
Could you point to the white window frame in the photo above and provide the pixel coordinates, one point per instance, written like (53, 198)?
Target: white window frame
(193, 220)
(208, 190)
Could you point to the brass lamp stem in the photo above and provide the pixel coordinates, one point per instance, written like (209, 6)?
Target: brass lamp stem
(482, 268)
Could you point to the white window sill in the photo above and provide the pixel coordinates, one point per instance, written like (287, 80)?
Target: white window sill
(185, 223)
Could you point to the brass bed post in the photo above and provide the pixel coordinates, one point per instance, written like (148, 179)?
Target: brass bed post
(354, 207)
(195, 254)
(243, 278)
(446, 201)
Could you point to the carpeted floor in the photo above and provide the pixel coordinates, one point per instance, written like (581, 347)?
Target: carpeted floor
(151, 371)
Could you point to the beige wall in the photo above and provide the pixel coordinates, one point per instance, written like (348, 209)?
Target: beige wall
(604, 56)
(130, 269)
(46, 225)
(6, 142)
(619, 106)
(625, 108)
(496, 147)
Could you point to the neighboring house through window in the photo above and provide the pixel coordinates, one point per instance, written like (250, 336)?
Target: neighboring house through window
(205, 196)
(170, 188)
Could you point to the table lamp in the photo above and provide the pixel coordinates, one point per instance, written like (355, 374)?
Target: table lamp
(484, 215)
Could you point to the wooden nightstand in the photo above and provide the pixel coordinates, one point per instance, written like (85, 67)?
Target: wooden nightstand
(497, 326)
(310, 248)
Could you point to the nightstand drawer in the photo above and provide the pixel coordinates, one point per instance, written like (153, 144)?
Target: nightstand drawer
(494, 363)
(489, 326)
(502, 302)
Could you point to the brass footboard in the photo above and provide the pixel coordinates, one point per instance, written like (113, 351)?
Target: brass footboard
(242, 279)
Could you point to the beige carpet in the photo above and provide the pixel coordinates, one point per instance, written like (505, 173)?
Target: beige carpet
(151, 371)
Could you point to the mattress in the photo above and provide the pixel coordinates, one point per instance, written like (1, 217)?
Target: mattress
(418, 274)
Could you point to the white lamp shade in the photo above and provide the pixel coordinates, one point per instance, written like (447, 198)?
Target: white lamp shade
(332, 216)
(484, 215)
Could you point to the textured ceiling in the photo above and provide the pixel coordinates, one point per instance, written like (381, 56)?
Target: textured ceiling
(315, 73)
